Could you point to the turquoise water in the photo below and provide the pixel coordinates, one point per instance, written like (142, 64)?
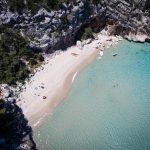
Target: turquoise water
(108, 107)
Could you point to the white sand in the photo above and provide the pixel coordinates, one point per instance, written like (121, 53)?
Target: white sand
(53, 80)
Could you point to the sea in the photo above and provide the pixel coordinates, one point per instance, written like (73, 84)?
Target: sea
(108, 106)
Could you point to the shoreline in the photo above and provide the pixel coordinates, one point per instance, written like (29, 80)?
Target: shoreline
(51, 84)
(63, 91)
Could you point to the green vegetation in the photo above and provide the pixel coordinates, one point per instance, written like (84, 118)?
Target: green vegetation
(35, 5)
(96, 1)
(2, 108)
(147, 5)
(16, 5)
(15, 58)
(88, 33)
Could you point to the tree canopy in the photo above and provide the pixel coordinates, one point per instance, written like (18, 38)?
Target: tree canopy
(15, 58)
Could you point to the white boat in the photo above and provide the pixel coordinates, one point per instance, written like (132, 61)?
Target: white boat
(101, 53)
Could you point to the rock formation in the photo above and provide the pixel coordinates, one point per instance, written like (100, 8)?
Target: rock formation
(15, 134)
(58, 29)
(48, 30)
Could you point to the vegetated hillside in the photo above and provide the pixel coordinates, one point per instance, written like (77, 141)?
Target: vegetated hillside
(29, 27)
(16, 60)
(47, 25)
(35, 5)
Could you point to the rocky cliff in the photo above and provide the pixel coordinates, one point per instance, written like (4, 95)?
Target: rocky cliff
(15, 134)
(50, 29)
(48, 25)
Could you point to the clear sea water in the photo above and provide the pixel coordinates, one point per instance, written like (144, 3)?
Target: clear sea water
(108, 107)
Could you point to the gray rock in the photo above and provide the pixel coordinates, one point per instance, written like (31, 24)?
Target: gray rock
(70, 19)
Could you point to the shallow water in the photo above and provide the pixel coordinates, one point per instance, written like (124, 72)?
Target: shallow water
(108, 107)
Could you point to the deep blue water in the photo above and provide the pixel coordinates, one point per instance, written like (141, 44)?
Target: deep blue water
(108, 107)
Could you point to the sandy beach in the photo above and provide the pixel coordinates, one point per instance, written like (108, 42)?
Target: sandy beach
(52, 81)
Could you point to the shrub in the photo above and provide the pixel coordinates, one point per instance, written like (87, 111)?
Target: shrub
(16, 5)
(147, 6)
(40, 58)
(88, 33)
(13, 57)
(32, 62)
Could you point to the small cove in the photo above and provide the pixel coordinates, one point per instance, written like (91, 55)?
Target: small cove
(108, 107)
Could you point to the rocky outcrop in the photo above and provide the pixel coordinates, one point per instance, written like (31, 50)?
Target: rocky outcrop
(137, 37)
(130, 21)
(14, 130)
(48, 31)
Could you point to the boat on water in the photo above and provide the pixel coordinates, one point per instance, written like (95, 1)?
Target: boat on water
(115, 54)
